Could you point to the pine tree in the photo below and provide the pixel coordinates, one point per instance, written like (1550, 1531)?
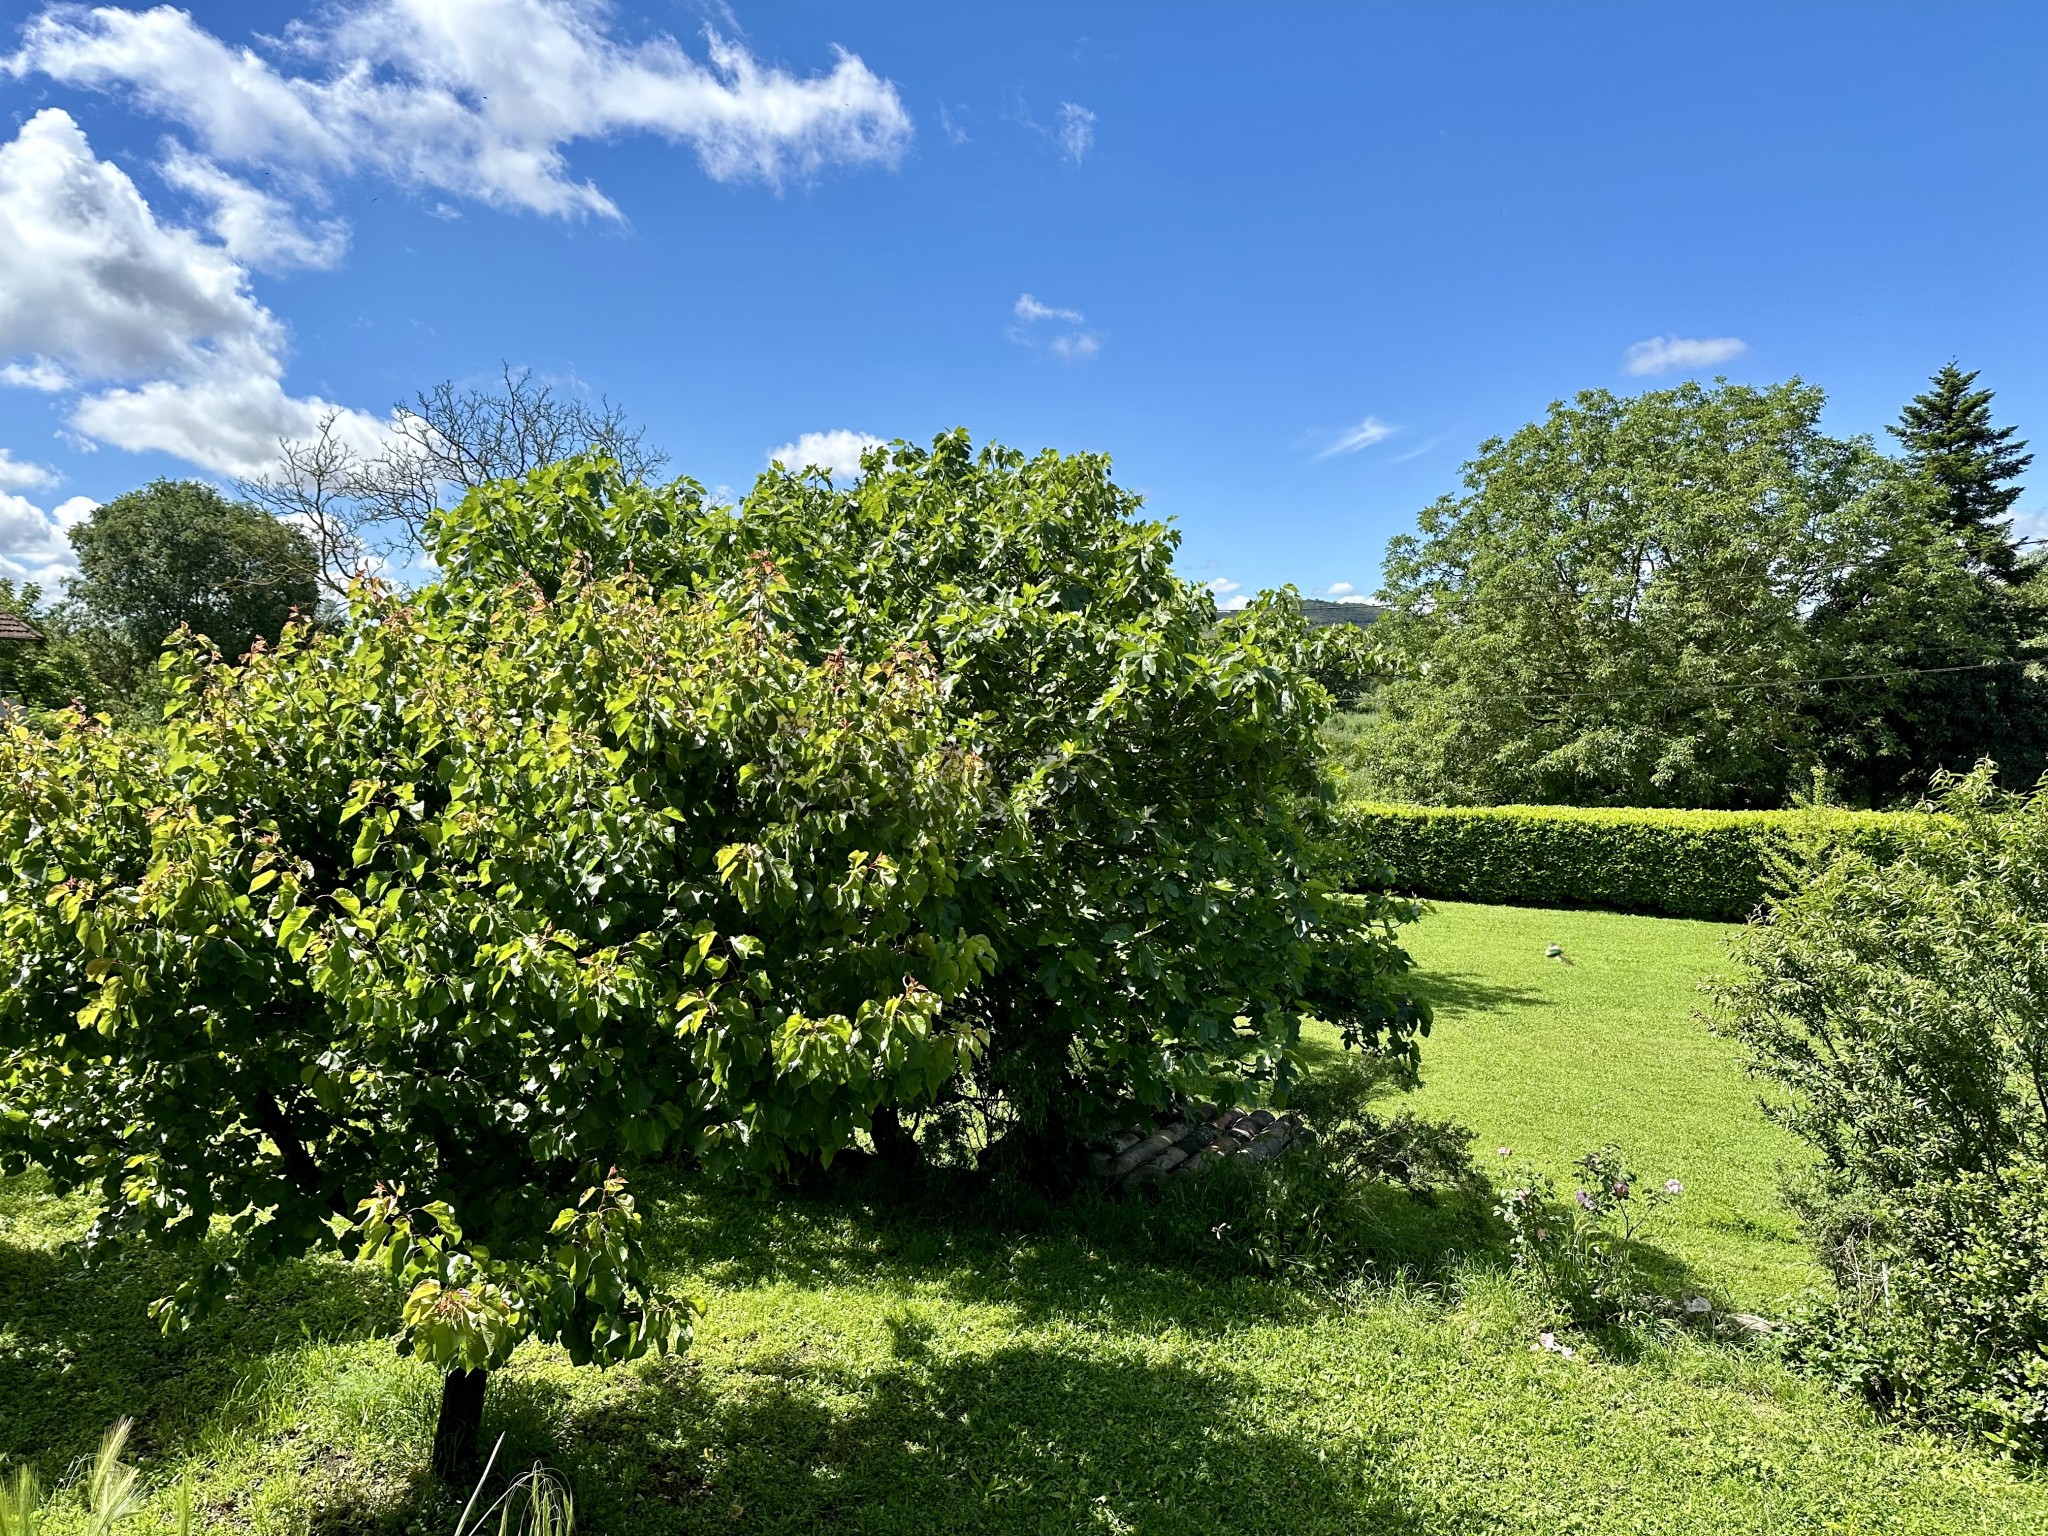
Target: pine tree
(1948, 436)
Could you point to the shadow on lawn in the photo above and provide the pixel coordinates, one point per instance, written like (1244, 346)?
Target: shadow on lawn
(1455, 992)
(1024, 1439)
(78, 1349)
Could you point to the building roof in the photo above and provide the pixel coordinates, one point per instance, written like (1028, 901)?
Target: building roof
(13, 627)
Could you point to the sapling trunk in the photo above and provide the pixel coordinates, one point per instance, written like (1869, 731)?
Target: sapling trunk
(460, 1426)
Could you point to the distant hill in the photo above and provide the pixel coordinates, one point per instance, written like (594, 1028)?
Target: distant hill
(1319, 613)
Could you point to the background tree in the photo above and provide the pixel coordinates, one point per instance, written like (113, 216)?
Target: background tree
(1975, 467)
(368, 505)
(178, 552)
(1690, 598)
(1610, 613)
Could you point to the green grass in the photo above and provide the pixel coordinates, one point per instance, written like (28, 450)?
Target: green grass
(1552, 1059)
(873, 1363)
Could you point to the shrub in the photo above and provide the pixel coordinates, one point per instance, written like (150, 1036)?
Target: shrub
(415, 940)
(1158, 925)
(1715, 865)
(1902, 1006)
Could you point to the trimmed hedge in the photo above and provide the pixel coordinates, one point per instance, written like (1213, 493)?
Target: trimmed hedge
(1703, 864)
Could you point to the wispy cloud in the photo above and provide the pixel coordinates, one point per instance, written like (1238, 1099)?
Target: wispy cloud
(1364, 435)
(1075, 346)
(1662, 354)
(1028, 309)
(1427, 446)
(1076, 131)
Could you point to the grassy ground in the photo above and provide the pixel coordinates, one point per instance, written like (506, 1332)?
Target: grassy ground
(1553, 1059)
(872, 1364)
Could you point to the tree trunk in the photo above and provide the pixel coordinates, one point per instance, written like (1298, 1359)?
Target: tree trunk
(460, 1425)
(894, 1144)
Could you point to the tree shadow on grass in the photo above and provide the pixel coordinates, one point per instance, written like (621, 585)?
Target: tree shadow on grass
(1020, 1439)
(78, 1349)
(1452, 993)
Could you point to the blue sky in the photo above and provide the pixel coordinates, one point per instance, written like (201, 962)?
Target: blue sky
(1287, 264)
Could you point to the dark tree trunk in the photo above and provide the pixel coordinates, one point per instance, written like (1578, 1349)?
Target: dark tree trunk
(894, 1144)
(460, 1425)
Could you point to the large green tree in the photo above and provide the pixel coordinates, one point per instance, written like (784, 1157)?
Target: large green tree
(1948, 437)
(179, 553)
(1159, 930)
(416, 940)
(1692, 597)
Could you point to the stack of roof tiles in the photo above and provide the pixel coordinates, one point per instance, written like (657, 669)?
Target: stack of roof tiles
(1192, 1144)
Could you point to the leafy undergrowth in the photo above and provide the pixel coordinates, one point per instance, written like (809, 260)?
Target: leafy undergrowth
(877, 1362)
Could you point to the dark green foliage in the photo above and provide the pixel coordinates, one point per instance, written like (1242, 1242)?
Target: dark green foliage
(178, 553)
(1715, 865)
(1158, 930)
(1898, 1006)
(1690, 598)
(1949, 439)
(57, 670)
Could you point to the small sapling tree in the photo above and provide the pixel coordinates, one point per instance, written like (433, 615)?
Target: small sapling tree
(413, 940)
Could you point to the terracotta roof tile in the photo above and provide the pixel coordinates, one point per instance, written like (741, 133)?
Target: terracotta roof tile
(13, 627)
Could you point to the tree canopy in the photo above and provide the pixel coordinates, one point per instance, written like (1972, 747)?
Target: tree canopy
(179, 553)
(1690, 597)
(1948, 438)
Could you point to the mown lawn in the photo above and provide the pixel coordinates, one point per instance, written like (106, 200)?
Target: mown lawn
(879, 1364)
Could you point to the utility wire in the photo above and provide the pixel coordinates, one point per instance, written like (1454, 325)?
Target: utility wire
(1784, 682)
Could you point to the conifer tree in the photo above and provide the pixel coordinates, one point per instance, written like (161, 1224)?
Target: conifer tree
(1948, 436)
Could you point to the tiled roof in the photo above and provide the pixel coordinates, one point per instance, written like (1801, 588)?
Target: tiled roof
(14, 628)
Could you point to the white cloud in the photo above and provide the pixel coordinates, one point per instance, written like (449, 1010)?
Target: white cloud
(1661, 354)
(1228, 598)
(1341, 592)
(1364, 435)
(33, 545)
(837, 453)
(253, 226)
(90, 281)
(226, 415)
(18, 475)
(1076, 131)
(37, 373)
(474, 97)
(1029, 309)
(94, 289)
(1068, 347)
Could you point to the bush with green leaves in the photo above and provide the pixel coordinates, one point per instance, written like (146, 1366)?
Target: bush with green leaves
(414, 940)
(1901, 1007)
(1158, 924)
(1715, 865)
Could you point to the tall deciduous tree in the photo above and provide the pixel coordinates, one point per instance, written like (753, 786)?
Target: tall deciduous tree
(1689, 598)
(1975, 467)
(179, 553)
